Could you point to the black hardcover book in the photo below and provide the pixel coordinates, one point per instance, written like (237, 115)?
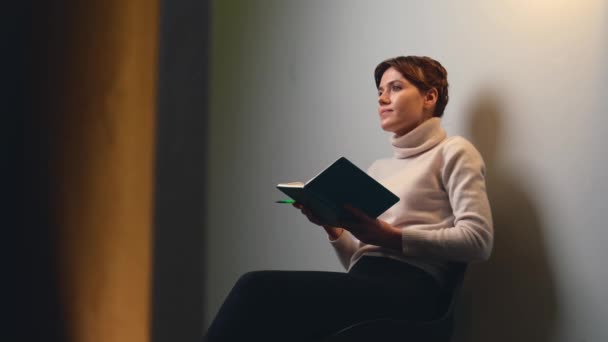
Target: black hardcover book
(341, 183)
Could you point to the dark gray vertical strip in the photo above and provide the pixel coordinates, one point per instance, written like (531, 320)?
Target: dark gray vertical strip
(181, 154)
(31, 294)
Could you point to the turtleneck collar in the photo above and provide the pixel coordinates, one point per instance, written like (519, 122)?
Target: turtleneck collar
(424, 137)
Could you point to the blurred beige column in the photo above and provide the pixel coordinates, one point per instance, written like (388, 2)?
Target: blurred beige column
(101, 65)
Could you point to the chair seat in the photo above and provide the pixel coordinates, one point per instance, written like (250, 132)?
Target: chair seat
(396, 330)
(391, 329)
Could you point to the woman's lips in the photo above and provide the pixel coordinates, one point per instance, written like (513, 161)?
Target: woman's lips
(385, 112)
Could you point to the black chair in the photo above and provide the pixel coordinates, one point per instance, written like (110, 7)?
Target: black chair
(390, 329)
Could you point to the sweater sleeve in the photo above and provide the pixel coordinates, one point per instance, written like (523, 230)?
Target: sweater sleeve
(345, 246)
(470, 239)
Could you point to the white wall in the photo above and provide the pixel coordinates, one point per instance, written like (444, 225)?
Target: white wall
(292, 90)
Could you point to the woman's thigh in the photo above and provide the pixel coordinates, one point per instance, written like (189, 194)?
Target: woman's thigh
(293, 305)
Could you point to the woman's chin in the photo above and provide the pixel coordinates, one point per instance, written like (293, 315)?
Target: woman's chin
(387, 127)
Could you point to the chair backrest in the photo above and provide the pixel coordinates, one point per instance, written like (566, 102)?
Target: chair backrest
(455, 284)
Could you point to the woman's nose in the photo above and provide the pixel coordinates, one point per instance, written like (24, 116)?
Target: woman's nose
(383, 99)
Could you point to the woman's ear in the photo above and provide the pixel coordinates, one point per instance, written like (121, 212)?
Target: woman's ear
(430, 98)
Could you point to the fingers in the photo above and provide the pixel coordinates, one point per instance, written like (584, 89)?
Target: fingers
(357, 213)
(303, 209)
(311, 217)
(308, 213)
(362, 219)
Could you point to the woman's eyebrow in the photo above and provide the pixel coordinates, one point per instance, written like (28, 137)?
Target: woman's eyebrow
(389, 83)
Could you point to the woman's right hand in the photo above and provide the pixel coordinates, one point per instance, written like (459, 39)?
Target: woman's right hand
(333, 232)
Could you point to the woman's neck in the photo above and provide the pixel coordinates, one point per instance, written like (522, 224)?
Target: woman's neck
(423, 137)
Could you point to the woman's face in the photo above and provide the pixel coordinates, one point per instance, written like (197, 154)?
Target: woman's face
(401, 106)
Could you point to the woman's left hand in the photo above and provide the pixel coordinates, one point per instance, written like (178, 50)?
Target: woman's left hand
(372, 231)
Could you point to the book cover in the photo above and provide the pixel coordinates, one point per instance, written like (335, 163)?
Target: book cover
(341, 183)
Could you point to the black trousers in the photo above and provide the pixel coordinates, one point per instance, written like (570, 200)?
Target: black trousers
(310, 305)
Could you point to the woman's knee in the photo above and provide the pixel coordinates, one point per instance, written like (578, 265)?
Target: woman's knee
(255, 281)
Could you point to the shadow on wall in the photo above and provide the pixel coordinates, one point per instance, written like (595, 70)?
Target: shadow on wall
(512, 296)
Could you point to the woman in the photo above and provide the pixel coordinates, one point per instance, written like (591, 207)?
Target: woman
(400, 264)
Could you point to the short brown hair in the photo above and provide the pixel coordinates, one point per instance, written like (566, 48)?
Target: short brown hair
(423, 72)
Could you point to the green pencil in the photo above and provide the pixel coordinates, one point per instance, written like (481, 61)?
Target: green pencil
(289, 201)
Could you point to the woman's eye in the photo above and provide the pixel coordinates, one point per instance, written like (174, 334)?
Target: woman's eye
(396, 87)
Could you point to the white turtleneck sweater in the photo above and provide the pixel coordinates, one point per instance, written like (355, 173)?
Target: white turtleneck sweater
(443, 211)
